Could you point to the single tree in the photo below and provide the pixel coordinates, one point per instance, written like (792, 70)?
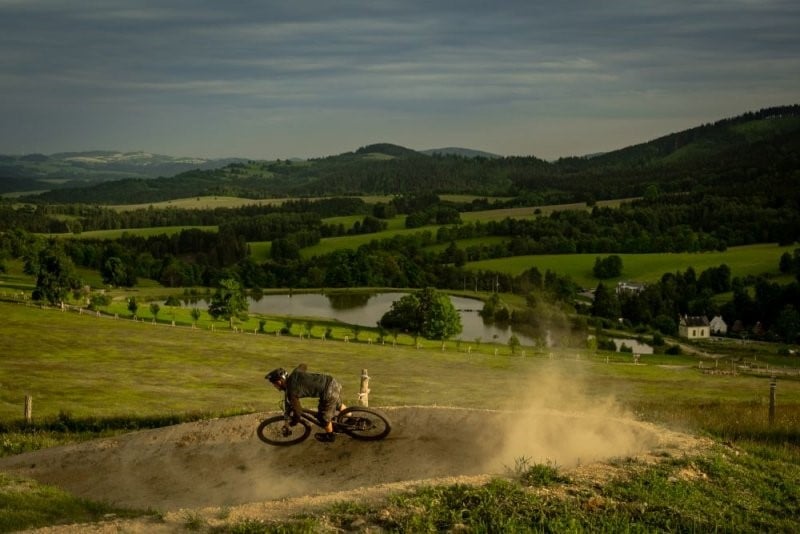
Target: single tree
(195, 315)
(606, 303)
(133, 306)
(425, 313)
(787, 324)
(228, 302)
(55, 276)
(154, 309)
(116, 273)
(287, 327)
(609, 267)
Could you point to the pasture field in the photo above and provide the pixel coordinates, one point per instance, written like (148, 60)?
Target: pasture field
(203, 202)
(332, 244)
(142, 232)
(210, 202)
(259, 250)
(531, 212)
(743, 261)
(97, 366)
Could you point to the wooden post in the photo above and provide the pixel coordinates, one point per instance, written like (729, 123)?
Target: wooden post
(363, 395)
(28, 409)
(772, 385)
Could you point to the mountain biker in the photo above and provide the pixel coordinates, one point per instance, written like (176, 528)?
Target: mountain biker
(300, 384)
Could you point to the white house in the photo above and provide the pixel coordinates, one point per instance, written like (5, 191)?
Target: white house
(694, 327)
(629, 287)
(718, 326)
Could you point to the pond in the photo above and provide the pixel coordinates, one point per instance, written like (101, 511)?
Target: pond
(365, 309)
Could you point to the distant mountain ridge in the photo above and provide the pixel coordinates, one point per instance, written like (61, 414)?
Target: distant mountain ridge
(74, 169)
(725, 156)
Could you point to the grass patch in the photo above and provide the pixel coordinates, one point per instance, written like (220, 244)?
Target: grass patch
(530, 473)
(25, 504)
(743, 261)
(141, 232)
(750, 488)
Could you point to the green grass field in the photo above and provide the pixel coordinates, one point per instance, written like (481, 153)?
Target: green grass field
(138, 367)
(210, 202)
(331, 244)
(743, 261)
(142, 232)
(203, 202)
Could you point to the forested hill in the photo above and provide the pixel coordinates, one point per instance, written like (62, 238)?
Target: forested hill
(756, 153)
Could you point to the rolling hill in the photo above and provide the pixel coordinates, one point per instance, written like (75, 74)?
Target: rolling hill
(754, 153)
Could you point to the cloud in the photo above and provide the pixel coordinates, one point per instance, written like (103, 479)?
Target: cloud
(406, 60)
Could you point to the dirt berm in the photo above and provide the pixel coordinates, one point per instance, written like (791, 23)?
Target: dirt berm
(222, 463)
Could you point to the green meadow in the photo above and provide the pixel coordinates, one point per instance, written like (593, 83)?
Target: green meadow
(87, 365)
(202, 202)
(142, 232)
(743, 261)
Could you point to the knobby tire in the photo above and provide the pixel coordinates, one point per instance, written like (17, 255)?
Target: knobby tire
(271, 430)
(378, 426)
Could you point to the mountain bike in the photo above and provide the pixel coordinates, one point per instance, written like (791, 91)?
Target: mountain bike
(357, 422)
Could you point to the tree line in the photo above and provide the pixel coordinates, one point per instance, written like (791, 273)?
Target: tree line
(767, 311)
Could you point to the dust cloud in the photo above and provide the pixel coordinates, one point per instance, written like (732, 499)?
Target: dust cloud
(556, 421)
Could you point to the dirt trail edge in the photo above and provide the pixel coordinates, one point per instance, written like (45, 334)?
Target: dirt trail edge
(219, 468)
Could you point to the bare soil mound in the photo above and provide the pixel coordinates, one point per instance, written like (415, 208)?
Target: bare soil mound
(222, 463)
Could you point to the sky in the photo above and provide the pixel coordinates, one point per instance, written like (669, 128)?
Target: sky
(267, 79)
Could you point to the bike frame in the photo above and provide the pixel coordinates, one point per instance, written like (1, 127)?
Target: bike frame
(311, 417)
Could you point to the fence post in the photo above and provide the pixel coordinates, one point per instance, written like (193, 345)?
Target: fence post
(28, 409)
(772, 385)
(363, 395)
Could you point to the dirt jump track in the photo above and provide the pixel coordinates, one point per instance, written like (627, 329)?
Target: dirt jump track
(221, 463)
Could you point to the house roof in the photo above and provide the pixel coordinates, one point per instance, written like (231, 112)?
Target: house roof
(694, 320)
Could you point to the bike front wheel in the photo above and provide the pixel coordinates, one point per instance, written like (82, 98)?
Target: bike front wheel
(364, 423)
(275, 431)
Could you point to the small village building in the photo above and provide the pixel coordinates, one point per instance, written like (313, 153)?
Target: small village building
(718, 325)
(694, 327)
(629, 287)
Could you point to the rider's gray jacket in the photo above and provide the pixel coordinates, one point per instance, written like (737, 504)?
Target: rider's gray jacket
(301, 384)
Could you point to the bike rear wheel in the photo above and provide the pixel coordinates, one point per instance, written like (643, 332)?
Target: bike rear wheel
(363, 423)
(275, 431)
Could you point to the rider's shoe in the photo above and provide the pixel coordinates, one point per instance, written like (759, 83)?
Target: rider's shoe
(325, 437)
